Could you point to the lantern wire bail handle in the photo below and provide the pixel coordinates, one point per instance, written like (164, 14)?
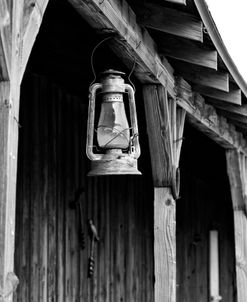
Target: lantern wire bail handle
(92, 55)
(92, 64)
(133, 67)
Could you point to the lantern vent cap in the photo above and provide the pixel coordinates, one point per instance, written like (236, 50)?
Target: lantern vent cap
(113, 72)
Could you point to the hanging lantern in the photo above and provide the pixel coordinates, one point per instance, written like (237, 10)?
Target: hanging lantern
(112, 144)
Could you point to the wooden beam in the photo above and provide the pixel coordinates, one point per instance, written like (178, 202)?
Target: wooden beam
(131, 43)
(159, 134)
(205, 118)
(170, 21)
(164, 246)
(237, 173)
(33, 16)
(233, 96)
(5, 41)
(202, 76)
(187, 51)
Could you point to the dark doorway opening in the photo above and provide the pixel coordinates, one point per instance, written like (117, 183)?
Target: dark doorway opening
(205, 204)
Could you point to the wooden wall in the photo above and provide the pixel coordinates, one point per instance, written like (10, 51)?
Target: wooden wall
(49, 259)
(205, 204)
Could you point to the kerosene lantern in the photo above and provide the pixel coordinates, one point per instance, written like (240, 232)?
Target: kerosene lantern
(112, 144)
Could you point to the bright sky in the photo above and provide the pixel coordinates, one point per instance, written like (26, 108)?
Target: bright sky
(230, 18)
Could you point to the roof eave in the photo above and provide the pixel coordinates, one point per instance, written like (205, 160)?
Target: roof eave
(219, 45)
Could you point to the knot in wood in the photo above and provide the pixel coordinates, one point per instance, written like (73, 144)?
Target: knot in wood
(168, 202)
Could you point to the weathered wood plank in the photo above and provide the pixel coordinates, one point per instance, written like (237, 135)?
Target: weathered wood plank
(181, 114)
(159, 134)
(236, 110)
(236, 168)
(170, 21)
(233, 117)
(5, 41)
(235, 174)
(187, 51)
(33, 18)
(164, 246)
(203, 76)
(233, 96)
(8, 166)
(205, 118)
(131, 42)
(240, 222)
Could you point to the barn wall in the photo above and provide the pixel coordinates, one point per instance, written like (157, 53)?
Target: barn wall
(49, 259)
(205, 204)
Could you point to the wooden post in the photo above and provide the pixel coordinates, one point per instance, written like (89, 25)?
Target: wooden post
(164, 246)
(8, 166)
(165, 123)
(13, 66)
(236, 167)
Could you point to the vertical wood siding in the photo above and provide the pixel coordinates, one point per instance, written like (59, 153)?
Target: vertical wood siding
(205, 204)
(52, 167)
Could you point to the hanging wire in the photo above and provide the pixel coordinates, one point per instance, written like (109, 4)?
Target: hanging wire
(92, 66)
(92, 63)
(133, 67)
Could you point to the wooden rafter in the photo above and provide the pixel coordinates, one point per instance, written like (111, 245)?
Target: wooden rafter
(231, 108)
(187, 51)
(233, 96)
(233, 117)
(115, 17)
(205, 118)
(170, 21)
(203, 76)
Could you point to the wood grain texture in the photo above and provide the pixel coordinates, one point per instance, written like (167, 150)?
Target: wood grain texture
(159, 134)
(236, 167)
(5, 40)
(205, 118)
(170, 21)
(8, 167)
(234, 110)
(53, 166)
(186, 51)
(9, 143)
(33, 15)
(235, 174)
(202, 76)
(240, 223)
(204, 203)
(164, 246)
(116, 17)
(233, 96)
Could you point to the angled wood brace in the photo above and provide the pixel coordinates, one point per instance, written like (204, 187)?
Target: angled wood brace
(165, 125)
